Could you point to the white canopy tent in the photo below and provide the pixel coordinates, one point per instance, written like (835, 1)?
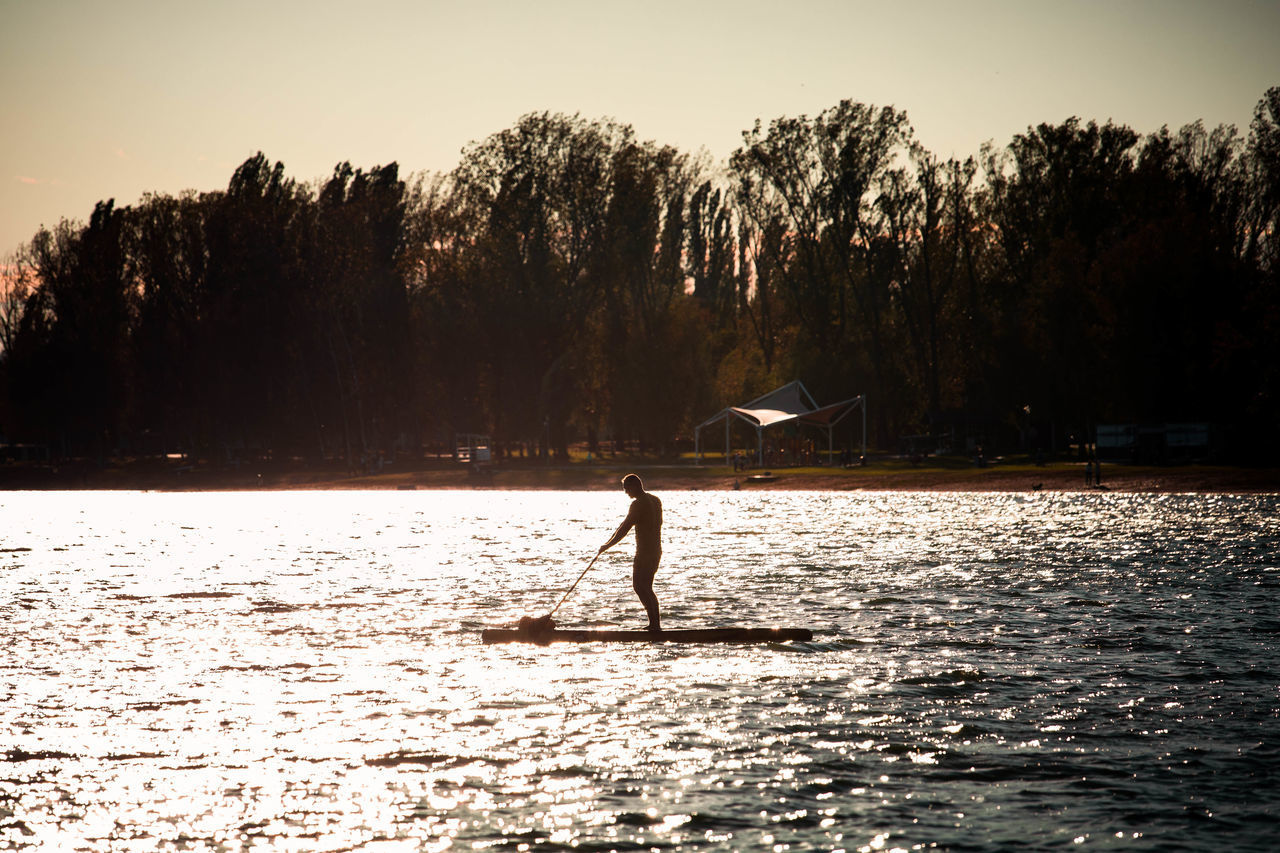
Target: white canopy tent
(792, 403)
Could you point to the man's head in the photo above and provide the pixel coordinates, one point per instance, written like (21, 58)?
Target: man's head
(631, 483)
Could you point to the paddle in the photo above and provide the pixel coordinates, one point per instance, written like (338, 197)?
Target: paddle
(575, 584)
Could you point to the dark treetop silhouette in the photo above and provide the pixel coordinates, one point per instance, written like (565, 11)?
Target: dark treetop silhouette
(1081, 274)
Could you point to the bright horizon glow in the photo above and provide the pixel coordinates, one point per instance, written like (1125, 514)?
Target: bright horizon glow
(116, 100)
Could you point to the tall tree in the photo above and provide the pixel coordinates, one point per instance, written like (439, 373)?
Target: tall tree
(711, 252)
(820, 178)
(168, 258)
(253, 297)
(653, 364)
(1057, 199)
(928, 245)
(537, 195)
(359, 305)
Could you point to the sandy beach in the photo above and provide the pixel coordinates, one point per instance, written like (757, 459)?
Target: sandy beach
(890, 474)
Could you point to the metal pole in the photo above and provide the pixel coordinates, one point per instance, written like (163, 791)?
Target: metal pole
(864, 427)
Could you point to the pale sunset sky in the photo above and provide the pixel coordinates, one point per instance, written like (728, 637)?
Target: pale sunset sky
(117, 98)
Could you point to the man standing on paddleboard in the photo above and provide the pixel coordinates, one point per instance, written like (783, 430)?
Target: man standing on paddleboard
(646, 517)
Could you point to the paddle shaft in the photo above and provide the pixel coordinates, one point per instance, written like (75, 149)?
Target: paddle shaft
(575, 584)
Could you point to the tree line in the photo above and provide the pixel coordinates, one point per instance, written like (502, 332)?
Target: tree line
(569, 282)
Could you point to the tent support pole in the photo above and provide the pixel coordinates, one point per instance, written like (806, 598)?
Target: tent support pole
(864, 427)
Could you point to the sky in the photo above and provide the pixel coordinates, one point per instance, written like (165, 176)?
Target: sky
(119, 98)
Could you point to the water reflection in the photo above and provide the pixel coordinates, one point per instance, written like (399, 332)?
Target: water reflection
(303, 671)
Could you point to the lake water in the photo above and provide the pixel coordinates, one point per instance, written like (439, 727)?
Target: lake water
(303, 671)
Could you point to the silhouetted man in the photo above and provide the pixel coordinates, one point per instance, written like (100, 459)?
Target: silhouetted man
(646, 517)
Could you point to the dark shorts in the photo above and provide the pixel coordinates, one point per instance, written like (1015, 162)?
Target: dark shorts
(645, 566)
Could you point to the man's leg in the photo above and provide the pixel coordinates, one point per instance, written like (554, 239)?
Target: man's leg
(642, 572)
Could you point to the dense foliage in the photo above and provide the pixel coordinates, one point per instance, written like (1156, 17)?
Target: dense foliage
(568, 282)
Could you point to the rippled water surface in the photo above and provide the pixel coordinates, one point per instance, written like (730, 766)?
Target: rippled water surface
(303, 671)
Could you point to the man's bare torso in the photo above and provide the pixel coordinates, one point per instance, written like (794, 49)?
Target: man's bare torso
(646, 516)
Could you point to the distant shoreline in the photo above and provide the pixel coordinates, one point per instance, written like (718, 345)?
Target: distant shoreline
(888, 475)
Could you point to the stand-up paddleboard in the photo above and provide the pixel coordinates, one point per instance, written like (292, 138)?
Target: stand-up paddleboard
(691, 635)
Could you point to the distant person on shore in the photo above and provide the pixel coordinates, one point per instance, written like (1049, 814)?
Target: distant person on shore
(645, 516)
(1088, 473)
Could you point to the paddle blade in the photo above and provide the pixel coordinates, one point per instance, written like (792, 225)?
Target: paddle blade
(536, 628)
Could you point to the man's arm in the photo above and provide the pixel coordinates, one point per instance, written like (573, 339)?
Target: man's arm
(623, 529)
